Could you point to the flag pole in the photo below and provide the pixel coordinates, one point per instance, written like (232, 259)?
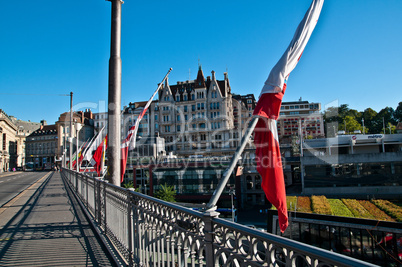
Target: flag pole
(211, 206)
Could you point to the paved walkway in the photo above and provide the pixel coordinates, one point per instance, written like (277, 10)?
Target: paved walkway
(44, 226)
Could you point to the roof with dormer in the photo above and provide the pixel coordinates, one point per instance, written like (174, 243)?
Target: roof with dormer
(188, 87)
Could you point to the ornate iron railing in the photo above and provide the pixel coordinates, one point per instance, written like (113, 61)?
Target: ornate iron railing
(149, 232)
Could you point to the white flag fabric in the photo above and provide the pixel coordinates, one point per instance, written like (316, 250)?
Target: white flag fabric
(95, 143)
(280, 72)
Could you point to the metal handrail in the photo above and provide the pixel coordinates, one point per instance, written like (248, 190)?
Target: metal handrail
(150, 232)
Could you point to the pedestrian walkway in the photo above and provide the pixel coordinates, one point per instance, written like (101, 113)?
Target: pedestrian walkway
(44, 226)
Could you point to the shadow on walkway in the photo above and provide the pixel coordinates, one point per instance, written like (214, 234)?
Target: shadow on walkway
(49, 229)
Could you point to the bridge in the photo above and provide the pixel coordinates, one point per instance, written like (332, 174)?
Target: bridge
(70, 218)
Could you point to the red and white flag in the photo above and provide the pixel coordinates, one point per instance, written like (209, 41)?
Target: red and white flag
(93, 146)
(99, 156)
(129, 142)
(268, 156)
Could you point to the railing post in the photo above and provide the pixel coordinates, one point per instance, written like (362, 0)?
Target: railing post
(104, 204)
(97, 197)
(130, 226)
(76, 181)
(209, 237)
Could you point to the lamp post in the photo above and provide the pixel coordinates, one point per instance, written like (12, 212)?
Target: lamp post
(77, 144)
(70, 140)
(114, 98)
(363, 125)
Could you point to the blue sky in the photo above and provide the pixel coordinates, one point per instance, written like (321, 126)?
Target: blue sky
(50, 48)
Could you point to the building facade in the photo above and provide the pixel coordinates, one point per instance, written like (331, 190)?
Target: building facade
(8, 142)
(197, 117)
(300, 118)
(353, 165)
(41, 147)
(81, 132)
(25, 128)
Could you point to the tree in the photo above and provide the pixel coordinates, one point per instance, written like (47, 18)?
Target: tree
(352, 124)
(166, 193)
(369, 116)
(388, 114)
(398, 113)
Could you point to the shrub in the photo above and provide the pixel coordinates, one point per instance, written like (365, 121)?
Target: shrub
(304, 204)
(320, 205)
(376, 212)
(166, 193)
(391, 209)
(339, 209)
(129, 184)
(358, 210)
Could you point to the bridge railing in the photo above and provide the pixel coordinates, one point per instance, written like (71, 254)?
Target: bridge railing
(150, 232)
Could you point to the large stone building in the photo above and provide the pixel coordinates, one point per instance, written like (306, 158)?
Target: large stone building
(8, 149)
(25, 128)
(82, 127)
(197, 117)
(41, 147)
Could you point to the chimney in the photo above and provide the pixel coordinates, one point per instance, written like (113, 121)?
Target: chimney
(43, 122)
(213, 75)
(225, 74)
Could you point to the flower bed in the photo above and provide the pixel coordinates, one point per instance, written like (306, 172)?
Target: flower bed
(382, 210)
(339, 209)
(358, 210)
(391, 209)
(376, 212)
(291, 202)
(304, 204)
(320, 205)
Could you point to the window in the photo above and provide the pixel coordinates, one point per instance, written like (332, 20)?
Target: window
(185, 108)
(178, 128)
(193, 108)
(202, 105)
(198, 106)
(178, 117)
(185, 117)
(192, 97)
(202, 125)
(185, 97)
(4, 141)
(177, 98)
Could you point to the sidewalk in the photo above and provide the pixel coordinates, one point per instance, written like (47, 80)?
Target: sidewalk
(44, 226)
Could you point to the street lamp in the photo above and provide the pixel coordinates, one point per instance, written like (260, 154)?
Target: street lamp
(363, 125)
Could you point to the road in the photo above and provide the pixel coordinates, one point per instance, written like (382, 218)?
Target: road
(11, 184)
